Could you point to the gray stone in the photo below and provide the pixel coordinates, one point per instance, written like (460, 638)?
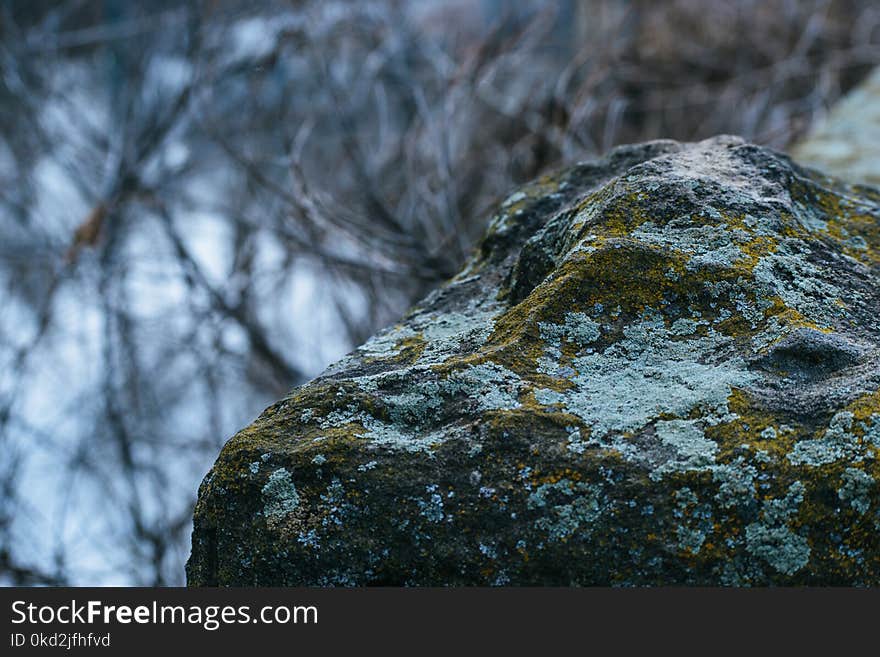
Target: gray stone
(658, 368)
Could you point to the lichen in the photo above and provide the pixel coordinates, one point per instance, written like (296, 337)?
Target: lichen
(279, 494)
(836, 443)
(647, 375)
(772, 538)
(855, 489)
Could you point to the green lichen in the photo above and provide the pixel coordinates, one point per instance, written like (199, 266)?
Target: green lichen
(279, 494)
(773, 540)
(855, 489)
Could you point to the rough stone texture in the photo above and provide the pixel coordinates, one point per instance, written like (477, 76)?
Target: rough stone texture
(658, 368)
(847, 142)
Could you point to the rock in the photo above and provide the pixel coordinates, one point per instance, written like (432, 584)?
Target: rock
(847, 142)
(658, 368)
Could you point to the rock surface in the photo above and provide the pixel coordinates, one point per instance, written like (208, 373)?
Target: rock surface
(662, 367)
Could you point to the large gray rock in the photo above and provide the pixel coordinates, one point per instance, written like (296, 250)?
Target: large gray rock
(658, 368)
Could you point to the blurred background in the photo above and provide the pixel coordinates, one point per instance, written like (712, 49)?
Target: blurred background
(203, 203)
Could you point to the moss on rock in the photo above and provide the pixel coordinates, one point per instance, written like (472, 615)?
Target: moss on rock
(659, 368)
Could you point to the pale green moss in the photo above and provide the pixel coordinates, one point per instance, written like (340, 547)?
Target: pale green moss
(279, 494)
